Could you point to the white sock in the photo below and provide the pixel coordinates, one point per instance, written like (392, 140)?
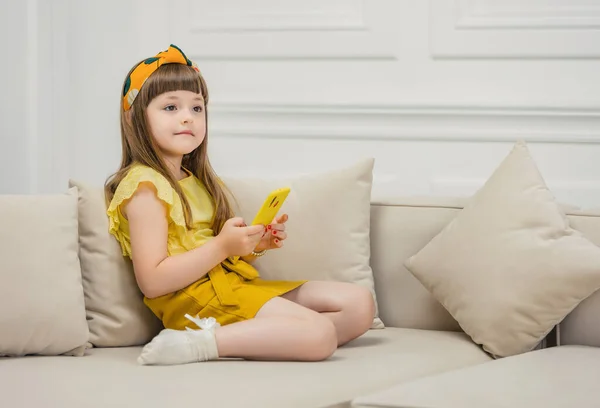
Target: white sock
(182, 346)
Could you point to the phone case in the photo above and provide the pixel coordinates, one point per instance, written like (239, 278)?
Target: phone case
(271, 206)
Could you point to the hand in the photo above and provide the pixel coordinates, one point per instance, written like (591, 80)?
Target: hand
(238, 239)
(274, 236)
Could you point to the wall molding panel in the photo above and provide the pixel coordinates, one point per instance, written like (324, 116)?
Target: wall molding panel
(523, 29)
(267, 30)
(398, 122)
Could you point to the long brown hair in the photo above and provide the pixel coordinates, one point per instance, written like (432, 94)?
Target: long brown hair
(138, 145)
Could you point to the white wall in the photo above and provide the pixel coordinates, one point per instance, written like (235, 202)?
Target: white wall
(35, 104)
(13, 123)
(437, 91)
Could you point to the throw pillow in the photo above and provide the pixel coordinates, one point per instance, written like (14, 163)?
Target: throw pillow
(116, 314)
(42, 309)
(509, 267)
(328, 226)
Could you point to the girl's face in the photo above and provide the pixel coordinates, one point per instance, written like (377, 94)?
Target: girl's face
(177, 122)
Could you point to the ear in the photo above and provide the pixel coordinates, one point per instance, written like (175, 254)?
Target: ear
(129, 117)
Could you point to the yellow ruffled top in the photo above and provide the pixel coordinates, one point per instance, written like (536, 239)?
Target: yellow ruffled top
(180, 239)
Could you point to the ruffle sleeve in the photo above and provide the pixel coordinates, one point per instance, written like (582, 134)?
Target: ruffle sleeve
(127, 188)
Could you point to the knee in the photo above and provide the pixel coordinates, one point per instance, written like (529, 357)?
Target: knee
(364, 308)
(322, 342)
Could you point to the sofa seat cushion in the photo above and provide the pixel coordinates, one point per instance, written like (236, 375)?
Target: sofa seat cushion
(111, 377)
(555, 377)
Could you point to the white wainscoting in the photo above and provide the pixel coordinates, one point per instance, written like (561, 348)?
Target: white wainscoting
(437, 91)
(515, 28)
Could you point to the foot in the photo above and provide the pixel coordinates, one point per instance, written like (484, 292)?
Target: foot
(182, 346)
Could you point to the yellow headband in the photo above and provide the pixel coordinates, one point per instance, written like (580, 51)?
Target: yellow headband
(138, 76)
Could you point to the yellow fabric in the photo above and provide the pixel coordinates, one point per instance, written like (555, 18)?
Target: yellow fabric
(230, 292)
(134, 82)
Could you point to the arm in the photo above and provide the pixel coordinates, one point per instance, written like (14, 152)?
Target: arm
(157, 273)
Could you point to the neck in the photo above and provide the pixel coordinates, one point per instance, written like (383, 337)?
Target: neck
(174, 166)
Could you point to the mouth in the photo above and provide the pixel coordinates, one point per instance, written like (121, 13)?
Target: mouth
(185, 132)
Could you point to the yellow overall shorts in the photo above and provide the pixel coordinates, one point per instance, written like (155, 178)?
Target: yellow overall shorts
(230, 292)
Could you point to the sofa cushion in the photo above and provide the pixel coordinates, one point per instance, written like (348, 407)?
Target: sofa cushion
(581, 326)
(332, 206)
(42, 308)
(557, 377)
(509, 267)
(328, 228)
(400, 227)
(114, 305)
(111, 377)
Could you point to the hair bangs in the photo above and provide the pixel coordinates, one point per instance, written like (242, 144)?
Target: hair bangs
(173, 77)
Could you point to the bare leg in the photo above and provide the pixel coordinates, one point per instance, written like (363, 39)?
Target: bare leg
(307, 324)
(350, 307)
(281, 330)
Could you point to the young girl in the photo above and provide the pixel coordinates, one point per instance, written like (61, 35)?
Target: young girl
(191, 255)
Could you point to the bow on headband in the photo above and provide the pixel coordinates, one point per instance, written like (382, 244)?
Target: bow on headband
(138, 76)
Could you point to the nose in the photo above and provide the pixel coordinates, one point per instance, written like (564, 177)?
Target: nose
(186, 117)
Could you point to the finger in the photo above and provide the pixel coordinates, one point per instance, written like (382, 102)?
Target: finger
(277, 243)
(237, 222)
(279, 226)
(281, 219)
(255, 230)
(276, 227)
(281, 235)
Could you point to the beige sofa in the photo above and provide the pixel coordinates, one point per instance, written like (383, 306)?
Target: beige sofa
(421, 358)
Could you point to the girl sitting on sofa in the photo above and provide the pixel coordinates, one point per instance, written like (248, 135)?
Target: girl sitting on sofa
(191, 256)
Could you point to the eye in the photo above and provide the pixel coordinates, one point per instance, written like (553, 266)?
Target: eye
(170, 108)
(198, 109)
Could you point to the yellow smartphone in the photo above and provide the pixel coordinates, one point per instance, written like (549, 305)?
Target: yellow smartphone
(271, 206)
